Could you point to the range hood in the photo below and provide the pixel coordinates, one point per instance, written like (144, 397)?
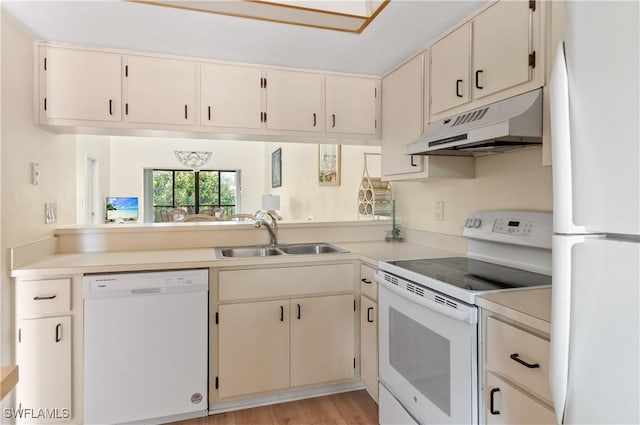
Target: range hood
(498, 127)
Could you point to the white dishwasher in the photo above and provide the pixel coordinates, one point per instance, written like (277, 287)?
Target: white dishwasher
(145, 346)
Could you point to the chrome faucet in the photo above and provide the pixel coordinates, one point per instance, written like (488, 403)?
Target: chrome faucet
(272, 227)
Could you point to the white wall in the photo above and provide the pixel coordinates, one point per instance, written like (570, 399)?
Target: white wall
(515, 180)
(22, 203)
(302, 197)
(98, 149)
(129, 156)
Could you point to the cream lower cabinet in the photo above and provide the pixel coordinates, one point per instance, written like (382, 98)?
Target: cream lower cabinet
(515, 373)
(271, 345)
(282, 327)
(369, 330)
(254, 347)
(43, 354)
(43, 350)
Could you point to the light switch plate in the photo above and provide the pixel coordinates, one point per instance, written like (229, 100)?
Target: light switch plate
(50, 212)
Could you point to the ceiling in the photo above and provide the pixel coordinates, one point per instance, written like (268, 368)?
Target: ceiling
(403, 28)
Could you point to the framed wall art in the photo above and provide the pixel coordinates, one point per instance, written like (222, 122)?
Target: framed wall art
(276, 168)
(329, 165)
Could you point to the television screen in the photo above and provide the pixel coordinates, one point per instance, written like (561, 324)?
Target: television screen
(122, 209)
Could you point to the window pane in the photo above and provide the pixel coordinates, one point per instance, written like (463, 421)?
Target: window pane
(208, 189)
(185, 189)
(162, 188)
(228, 189)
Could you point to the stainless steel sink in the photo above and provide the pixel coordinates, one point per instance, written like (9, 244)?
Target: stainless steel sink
(249, 251)
(310, 248)
(268, 250)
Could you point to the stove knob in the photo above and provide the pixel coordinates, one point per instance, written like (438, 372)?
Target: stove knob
(476, 223)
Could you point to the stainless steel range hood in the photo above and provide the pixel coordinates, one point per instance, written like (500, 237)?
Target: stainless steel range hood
(498, 127)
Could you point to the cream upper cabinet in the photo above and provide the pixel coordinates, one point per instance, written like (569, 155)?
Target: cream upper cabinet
(79, 85)
(351, 105)
(253, 347)
(450, 65)
(43, 355)
(160, 91)
(294, 101)
(322, 345)
(402, 117)
(501, 45)
(231, 96)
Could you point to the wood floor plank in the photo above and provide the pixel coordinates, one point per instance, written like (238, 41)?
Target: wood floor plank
(352, 409)
(290, 413)
(320, 409)
(256, 416)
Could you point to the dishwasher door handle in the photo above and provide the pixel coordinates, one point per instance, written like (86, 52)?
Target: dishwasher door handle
(143, 291)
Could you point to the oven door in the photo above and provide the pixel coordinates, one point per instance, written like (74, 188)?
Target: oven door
(428, 352)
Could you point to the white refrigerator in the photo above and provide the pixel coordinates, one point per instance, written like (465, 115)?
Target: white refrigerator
(595, 332)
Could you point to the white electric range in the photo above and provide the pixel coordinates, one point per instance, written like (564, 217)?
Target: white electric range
(428, 333)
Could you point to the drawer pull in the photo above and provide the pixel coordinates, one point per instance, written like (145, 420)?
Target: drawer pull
(363, 280)
(39, 298)
(369, 311)
(492, 409)
(515, 357)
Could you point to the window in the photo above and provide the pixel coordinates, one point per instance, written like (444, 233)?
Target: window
(196, 192)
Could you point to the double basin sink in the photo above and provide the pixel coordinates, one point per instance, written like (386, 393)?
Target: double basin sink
(272, 250)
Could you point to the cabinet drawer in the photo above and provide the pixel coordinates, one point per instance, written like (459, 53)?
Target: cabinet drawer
(284, 281)
(519, 355)
(368, 286)
(43, 297)
(511, 406)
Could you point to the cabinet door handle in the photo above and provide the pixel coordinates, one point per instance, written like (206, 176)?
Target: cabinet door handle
(363, 280)
(515, 357)
(209, 112)
(299, 310)
(478, 86)
(412, 164)
(314, 119)
(492, 409)
(458, 82)
(333, 118)
(59, 332)
(110, 106)
(186, 116)
(369, 311)
(282, 313)
(39, 298)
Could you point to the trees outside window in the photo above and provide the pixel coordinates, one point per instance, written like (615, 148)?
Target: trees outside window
(195, 191)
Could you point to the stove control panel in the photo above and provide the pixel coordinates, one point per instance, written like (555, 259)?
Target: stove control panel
(528, 228)
(512, 226)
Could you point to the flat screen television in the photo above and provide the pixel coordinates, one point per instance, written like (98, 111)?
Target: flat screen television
(119, 209)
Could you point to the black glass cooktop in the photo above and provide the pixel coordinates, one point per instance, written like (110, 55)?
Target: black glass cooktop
(473, 275)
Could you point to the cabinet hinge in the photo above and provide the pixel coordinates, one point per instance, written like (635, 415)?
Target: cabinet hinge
(126, 70)
(19, 335)
(532, 5)
(354, 305)
(263, 117)
(217, 383)
(532, 59)
(265, 83)
(45, 64)
(217, 318)
(45, 103)
(375, 123)
(126, 109)
(375, 92)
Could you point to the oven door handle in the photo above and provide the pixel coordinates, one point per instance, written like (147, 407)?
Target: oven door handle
(465, 315)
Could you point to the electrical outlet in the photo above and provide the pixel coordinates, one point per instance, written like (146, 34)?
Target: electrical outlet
(50, 212)
(440, 210)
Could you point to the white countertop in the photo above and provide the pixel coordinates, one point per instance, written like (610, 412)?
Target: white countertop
(531, 307)
(102, 262)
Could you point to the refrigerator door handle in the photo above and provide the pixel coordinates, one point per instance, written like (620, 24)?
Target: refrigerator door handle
(561, 147)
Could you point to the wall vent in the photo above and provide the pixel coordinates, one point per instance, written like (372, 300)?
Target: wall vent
(476, 115)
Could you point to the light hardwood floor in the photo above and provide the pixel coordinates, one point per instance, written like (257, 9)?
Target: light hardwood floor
(352, 408)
